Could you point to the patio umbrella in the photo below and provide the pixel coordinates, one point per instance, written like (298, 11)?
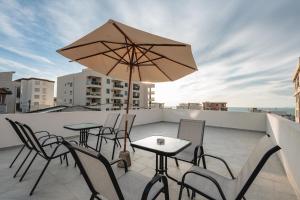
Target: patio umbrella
(126, 53)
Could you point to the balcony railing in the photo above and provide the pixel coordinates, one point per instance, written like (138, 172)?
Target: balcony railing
(93, 94)
(118, 95)
(118, 86)
(136, 87)
(136, 96)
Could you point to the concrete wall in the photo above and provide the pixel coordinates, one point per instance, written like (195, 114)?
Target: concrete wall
(287, 135)
(54, 122)
(237, 120)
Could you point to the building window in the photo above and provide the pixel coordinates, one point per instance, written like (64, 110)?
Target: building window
(126, 84)
(70, 101)
(65, 100)
(126, 93)
(71, 92)
(36, 96)
(107, 101)
(37, 82)
(107, 91)
(44, 97)
(35, 103)
(44, 90)
(71, 84)
(37, 89)
(108, 81)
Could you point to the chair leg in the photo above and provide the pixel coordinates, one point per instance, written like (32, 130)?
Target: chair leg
(180, 192)
(203, 158)
(193, 194)
(60, 160)
(100, 143)
(39, 178)
(98, 138)
(24, 173)
(176, 161)
(17, 156)
(22, 163)
(188, 192)
(130, 144)
(113, 154)
(92, 197)
(67, 161)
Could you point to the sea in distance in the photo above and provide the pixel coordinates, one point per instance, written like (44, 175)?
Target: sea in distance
(287, 110)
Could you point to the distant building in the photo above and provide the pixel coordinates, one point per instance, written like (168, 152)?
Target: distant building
(8, 102)
(36, 93)
(296, 80)
(222, 106)
(191, 106)
(157, 105)
(93, 89)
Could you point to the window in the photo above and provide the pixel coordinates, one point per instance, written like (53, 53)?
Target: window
(108, 81)
(44, 97)
(107, 109)
(36, 96)
(71, 84)
(126, 84)
(65, 100)
(35, 103)
(37, 89)
(70, 101)
(126, 93)
(71, 92)
(44, 90)
(37, 82)
(107, 101)
(107, 91)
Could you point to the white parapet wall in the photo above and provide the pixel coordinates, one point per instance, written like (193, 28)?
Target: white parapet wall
(54, 122)
(287, 135)
(236, 120)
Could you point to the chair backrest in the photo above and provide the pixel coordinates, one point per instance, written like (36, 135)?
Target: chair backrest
(111, 120)
(32, 139)
(130, 119)
(96, 171)
(259, 156)
(20, 133)
(192, 130)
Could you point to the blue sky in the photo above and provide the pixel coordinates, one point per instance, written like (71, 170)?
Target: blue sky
(246, 51)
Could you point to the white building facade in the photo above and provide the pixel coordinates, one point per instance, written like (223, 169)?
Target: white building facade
(10, 101)
(93, 89)
(36, 94)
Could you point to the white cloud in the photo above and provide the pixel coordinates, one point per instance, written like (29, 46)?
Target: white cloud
(17, 65)
(26, 54)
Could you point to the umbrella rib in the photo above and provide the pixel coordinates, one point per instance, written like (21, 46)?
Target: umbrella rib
(113, 58)
(138, 65)
(96, 54)
(118, 62)
(137, 59)
(114, 51)
(169, 59)
(89, 43)
(122, 32)
(151, 44)
(157, 66)
(151, 60)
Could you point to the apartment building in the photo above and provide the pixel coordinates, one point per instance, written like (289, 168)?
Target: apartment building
(35, 93)
(9, 93)
(191, 106)
(93, 89)
(222, 106)
(296, 80)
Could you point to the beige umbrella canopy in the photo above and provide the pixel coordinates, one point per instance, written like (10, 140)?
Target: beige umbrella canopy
(126, 53)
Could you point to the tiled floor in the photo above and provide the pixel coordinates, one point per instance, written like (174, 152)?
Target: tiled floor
(66, 183)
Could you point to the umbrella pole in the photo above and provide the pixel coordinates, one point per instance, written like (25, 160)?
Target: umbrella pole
(125, 155)
(127, 108)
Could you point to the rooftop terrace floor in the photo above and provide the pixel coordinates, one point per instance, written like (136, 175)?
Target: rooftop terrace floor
(66, 183)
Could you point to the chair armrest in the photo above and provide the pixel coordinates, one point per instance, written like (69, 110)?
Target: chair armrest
(106, 128)
(95, 128)
(50, 137)
(196, 150)
(120, 160)
(220, 159)
(154, 180)
(40, 132)
(211, 179)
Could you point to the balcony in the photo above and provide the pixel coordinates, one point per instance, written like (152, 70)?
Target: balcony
(93, 94)
(136, 87)
(231, 135)
(118, 86)
(118, 95)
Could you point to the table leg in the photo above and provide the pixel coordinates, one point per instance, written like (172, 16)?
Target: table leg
(166, 170)
(80, 137)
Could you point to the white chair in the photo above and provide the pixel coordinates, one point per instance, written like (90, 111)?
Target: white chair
(101, 180)
(214, 186)
(192, 130)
